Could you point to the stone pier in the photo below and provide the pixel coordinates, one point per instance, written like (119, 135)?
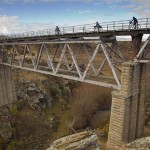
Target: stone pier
(127, 111)
(7, 89)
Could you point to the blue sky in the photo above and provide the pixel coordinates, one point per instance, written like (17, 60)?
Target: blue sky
(28, 15)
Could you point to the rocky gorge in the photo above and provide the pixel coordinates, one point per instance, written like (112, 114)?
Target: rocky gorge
(59, 114)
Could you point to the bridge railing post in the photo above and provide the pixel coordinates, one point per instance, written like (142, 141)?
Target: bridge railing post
(129, 24)
(122, 26)
(73, 29)
(146, 23)
(84, 29)
(107, 27)
(47, 32)
(114, 25)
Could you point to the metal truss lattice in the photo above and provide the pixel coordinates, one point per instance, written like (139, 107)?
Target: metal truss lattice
(143, 55)
(95, 62)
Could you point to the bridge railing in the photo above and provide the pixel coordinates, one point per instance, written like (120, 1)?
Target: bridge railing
(123, 25)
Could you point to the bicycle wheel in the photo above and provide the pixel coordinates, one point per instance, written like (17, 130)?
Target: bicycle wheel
(131, 26)
(100, 29)
(138, 26)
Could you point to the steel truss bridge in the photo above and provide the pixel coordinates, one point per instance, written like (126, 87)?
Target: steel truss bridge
(72, 56)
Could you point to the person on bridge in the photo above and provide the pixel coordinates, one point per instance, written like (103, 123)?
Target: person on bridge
(135, 22)
(97, 26)
(57, 30)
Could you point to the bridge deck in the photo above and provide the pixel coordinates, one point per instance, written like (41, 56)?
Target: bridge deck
(115, 28)
(68, 37)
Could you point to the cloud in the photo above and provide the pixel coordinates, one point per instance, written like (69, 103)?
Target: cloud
(112, 1)
(47, 1)
(84, 12)
(139, 7)
(8, 23)
(11, 24)
(25, 1)
(108, 14)
(129, 6)
(142, 8)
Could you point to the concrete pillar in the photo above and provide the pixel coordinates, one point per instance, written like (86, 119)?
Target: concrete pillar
(127, 111)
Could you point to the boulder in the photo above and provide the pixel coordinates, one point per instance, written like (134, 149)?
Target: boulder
(85, 140)
(141, 144)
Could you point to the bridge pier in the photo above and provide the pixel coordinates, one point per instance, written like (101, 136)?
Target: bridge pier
(136, 42)
(127, 111)
(7, 89)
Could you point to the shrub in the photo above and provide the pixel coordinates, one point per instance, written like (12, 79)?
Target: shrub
(13, 109)
(20, 104)
(16, 145)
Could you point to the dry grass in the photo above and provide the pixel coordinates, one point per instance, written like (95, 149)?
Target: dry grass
(147, 131)
(28, 75)
(87, 100)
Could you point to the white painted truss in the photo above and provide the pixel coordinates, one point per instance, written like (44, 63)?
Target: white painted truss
(96, 62)
(141, 56)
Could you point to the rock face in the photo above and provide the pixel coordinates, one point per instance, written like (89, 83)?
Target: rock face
(43, 97)
(140, 144)
(5, 130)
(5, 126)
(79, 141)
(28, 90)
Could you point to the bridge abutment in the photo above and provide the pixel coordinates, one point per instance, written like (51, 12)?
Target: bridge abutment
(127, 111)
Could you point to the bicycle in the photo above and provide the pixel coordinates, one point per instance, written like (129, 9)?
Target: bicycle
(57, 31)
(98, 28)
(134, 26)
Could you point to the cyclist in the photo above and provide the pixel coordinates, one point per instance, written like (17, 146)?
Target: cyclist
(135, 22)
(98, 26)
(57, 30)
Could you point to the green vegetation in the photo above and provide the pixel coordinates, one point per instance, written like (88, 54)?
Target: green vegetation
(13, 109)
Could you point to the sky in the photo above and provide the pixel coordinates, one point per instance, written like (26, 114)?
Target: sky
(30, 15)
